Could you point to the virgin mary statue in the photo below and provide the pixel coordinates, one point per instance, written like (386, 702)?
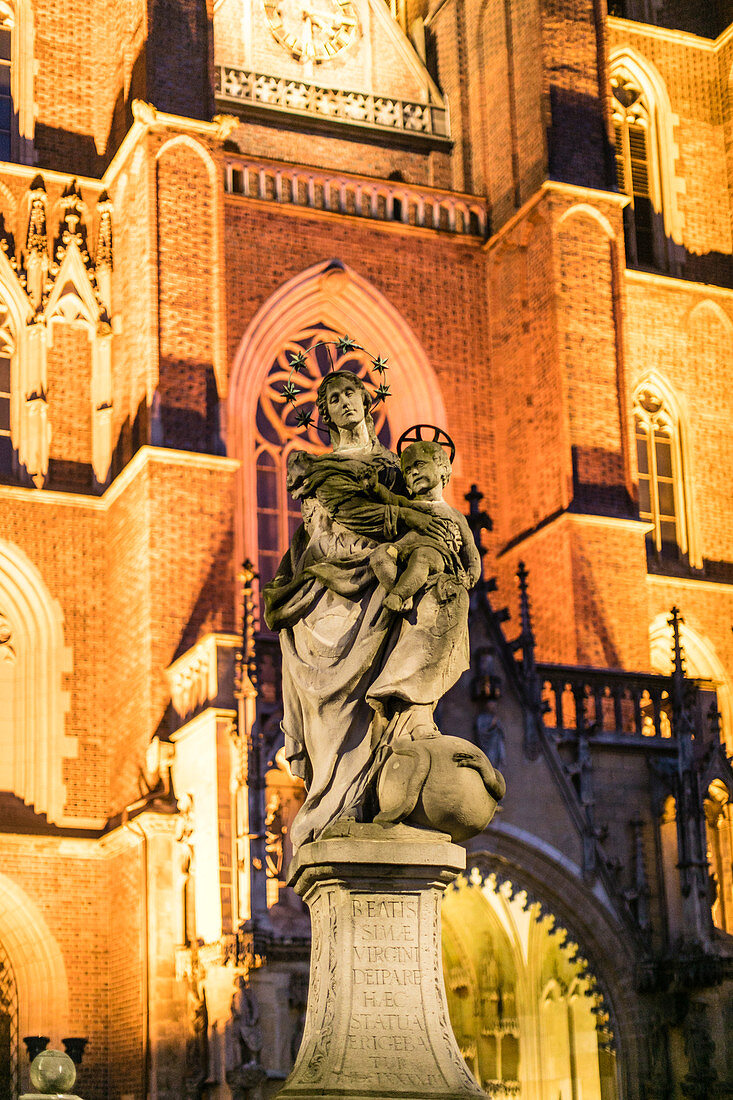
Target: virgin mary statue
(355, 675)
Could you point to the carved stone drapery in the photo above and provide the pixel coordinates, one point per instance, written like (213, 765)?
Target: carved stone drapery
(7, 650)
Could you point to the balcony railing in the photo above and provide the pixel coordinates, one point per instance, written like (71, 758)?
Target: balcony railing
(607, 704)
(359, 196)
(237, 85)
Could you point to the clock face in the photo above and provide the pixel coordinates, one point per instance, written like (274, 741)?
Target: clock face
(313, 30)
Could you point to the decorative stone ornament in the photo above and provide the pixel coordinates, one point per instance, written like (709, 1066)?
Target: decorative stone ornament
(377, 1020)
(52, 1074)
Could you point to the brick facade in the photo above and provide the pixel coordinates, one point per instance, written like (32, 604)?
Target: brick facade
(538, 334)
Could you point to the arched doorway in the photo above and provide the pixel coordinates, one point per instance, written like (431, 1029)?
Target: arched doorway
(526, 1011)
(8, 1029)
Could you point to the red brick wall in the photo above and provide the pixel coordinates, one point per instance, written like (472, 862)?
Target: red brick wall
(69, 393)
(589, 349)
(575, 85)
(64, 542)
(134, 306)
(187, 268)
(171, 578)
(68, 884)
(699, 97)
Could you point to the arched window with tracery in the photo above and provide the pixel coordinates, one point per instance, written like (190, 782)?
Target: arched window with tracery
(661, 468)
(8, 1029)
(277, 431)
(646, 154)
(635, 166)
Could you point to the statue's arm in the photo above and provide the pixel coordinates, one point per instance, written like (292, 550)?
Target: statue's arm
(359, 511)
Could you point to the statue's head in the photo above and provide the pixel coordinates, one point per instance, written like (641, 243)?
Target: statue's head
(343, 401)
(424, 465)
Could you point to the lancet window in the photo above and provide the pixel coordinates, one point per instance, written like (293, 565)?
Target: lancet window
(661, 472)
(636, 173)
(277, 432)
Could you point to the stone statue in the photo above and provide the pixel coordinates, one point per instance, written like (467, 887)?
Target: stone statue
(246, 1023)
(197, 1043)
(371, 603)
(244, 1073)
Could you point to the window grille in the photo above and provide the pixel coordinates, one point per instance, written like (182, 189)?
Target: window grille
(8, 1030)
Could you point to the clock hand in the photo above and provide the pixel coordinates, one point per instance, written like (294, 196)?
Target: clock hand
(321, 18)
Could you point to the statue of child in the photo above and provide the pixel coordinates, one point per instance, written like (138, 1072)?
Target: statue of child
(426, 470)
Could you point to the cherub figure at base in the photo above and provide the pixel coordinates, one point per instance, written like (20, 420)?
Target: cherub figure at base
(426, 469)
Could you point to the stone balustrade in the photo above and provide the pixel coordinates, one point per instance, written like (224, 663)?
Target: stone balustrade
(236, 85)
(607, 703)
(358, 196)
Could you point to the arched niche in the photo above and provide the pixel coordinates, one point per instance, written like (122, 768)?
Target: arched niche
(524, 1005)
(33, 704)
(336, 296)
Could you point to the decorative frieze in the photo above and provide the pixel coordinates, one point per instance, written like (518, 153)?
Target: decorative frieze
(358, 196)
(333, 104)
(46, 284)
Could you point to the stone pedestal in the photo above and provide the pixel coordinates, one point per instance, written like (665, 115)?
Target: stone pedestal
(377, 1023)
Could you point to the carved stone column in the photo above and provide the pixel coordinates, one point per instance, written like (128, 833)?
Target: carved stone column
(377, 1021)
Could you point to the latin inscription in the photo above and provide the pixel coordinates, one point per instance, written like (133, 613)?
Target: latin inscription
(387, 1020)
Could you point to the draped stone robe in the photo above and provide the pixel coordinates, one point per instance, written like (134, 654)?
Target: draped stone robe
(350, 667)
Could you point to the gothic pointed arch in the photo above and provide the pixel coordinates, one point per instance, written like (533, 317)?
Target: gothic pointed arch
(38, 964)
(33, 702)
(662, 461)
(336, 299)
(526, 1005)
(646, 156)
(519, 865)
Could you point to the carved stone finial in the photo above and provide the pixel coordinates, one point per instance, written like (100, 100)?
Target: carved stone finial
(103, 256)
(72, 227)
(479, 520)
(36, 237)
(678, 653)
(144, 112)
(225, 126)
(7, 242)
(246, 666)
(526, 640)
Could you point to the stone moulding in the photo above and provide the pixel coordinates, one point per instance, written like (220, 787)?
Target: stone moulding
(377, 1021)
